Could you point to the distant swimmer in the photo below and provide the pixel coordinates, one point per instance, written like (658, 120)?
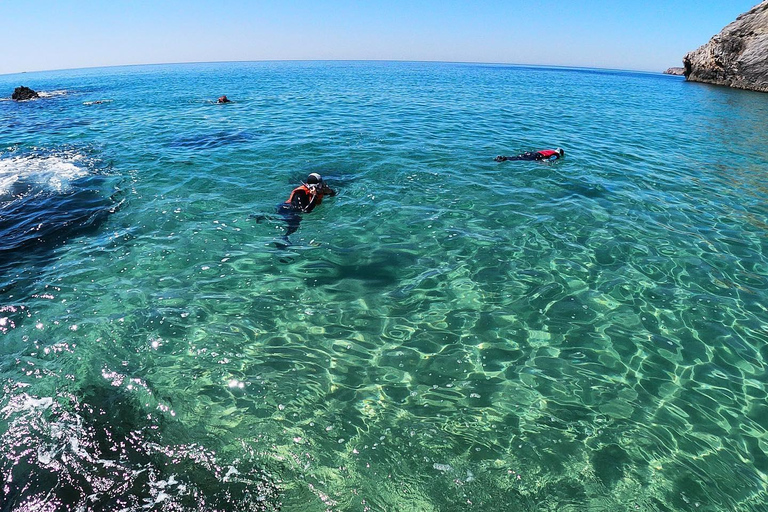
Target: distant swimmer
(223, 99)
(303, 199)
(544, 154)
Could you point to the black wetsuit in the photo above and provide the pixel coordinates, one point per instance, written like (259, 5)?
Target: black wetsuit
(300, 201)
(531, 156)
(292, 209)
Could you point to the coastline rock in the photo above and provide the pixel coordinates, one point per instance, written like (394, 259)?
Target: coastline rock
(24, 93)
(737, 56)
(675, 71)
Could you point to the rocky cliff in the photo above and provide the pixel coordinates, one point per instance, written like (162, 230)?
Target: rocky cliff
(737, 56)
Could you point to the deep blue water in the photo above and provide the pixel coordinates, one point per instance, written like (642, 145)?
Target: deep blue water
(447, 333)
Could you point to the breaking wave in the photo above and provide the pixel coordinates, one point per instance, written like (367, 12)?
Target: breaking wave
(39, 172)
(47, 196)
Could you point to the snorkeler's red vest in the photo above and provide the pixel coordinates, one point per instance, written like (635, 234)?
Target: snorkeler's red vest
(548, 153)
(310, 194)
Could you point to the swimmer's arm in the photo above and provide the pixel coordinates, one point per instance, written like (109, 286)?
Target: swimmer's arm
(311, 204)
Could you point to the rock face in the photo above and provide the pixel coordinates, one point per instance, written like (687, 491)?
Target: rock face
(675, 71)
(737, 56)
(24, 93)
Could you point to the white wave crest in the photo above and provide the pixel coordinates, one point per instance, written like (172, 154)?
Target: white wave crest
(51, 94)
(53, 173)
(25, 402)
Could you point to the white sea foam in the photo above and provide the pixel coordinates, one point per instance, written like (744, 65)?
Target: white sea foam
(25, 402)
(54, 172)
(51, 94)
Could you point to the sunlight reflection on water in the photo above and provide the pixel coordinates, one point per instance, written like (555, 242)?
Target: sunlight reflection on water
(446, 333)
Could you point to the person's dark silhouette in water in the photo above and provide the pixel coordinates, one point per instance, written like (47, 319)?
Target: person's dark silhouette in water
(544, 154)
(303, 199)
(223, 99)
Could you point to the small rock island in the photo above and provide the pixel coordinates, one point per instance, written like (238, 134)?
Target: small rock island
(737, 56)
(24, 93)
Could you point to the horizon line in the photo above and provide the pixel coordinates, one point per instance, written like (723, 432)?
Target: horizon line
(489, 63)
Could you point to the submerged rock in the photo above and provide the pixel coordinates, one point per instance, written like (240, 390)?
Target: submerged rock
(24, 93)
(737, 56)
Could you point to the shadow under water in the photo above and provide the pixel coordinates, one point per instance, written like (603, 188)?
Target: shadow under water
(99, 452)
(47, 198)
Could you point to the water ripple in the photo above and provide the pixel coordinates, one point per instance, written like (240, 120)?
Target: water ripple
(448, 330)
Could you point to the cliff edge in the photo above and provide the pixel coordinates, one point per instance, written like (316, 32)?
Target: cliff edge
(737, 56)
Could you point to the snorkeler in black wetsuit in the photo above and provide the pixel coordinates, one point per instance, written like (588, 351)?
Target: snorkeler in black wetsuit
(303, 199)
(544, 154)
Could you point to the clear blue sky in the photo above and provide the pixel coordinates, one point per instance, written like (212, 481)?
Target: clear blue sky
(646, 35)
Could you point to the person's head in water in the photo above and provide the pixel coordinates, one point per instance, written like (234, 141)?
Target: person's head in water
(560, 152)
(315, 179)
(316, 183)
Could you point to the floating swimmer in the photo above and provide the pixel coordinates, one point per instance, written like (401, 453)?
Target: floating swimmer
(544, 154)
(303, 199)
(223, 99)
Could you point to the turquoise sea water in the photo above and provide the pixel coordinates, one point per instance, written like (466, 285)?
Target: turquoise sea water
(448, 333)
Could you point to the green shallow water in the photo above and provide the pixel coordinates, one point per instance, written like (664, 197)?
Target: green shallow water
(448, 333)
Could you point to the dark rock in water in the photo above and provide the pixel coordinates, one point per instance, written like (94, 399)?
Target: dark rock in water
(213, 139)
(737, 56)
(675, 71)
(609, 463)
(105, 449)
(24, 93)
(45, 202)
